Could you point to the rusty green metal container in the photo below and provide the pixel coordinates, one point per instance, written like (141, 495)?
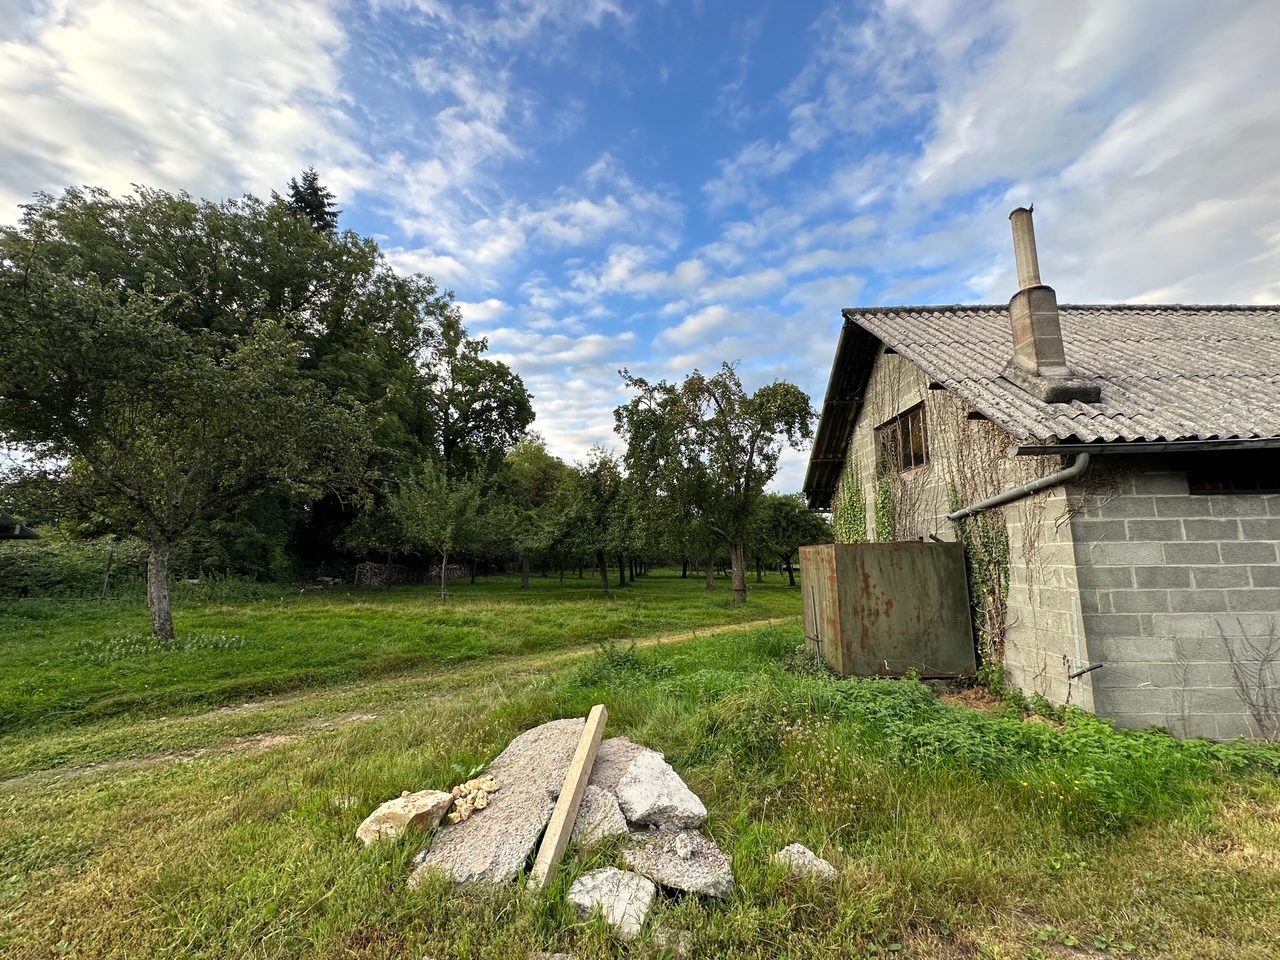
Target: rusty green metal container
(884, 609)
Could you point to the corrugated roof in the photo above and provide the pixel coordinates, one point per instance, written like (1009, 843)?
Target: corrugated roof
(1167, 373)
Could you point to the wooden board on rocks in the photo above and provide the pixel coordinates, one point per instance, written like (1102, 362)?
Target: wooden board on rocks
(495, 843)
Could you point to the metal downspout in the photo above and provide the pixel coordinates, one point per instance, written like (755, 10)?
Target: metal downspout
(1017, 493)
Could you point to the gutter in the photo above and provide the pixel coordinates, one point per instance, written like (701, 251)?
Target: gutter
(1017, 493)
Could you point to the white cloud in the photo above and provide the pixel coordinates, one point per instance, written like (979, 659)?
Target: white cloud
(214, 97)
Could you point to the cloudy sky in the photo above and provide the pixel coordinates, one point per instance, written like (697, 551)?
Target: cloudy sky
(666, 185)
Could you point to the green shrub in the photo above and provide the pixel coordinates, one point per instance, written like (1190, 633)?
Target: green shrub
(56, 566)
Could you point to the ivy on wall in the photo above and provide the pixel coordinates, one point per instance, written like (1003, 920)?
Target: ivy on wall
(850, 506)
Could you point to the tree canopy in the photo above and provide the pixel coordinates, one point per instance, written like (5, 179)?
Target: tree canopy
(704, 449)
(166, 360)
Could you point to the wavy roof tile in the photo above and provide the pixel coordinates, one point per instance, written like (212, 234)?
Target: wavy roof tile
(1167, 373)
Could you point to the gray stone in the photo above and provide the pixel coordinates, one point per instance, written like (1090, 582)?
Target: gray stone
(802, 862)
(599, 816)
(650, 793)
(496, 842)
(410, 811)
(613, 759)
(685, 860)
(623, 898)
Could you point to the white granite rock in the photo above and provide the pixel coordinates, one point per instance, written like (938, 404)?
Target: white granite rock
(409, 811)
(623, 898)
(650, 793)
(599, 817)
(802, 862)
(682, 861)
(496, 842)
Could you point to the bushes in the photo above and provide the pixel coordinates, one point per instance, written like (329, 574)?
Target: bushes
(71, 568)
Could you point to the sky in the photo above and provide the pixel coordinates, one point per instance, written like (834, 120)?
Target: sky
(665, 186)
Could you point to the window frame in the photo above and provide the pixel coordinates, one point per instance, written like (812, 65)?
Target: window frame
(892, 454)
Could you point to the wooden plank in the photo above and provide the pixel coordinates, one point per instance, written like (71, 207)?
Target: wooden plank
(556, 838)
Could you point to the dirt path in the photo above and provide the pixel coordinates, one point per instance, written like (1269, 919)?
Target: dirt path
(444, 680)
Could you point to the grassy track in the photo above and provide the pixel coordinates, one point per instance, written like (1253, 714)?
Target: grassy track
(230, 832)
(63, 663)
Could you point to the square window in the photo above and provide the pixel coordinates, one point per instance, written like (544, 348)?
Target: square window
(903, 442)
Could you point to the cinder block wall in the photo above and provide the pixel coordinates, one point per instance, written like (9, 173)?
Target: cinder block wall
(1181, 600)
(1045, 633)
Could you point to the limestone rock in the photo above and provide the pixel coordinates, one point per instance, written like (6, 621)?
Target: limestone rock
(496, 842)
(802, 862)
(471, 796)
(682, 861)
(624, 899)
(599, 817)
(651, 793)
(409, 811)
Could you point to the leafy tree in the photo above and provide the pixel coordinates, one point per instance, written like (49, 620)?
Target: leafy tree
(481, 407)
(587, 503)
(437, 512)
(783, 524)
(311, 199)
(155, 361)
(529, 485)
(708, 447)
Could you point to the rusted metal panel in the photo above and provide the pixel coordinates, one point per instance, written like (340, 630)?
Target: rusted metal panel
(883, 609)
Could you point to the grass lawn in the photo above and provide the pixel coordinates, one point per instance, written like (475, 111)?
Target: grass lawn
(229, 832)
(64, 663)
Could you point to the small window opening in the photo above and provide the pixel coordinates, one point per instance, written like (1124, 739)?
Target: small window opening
(903, 442)
(1235, 472)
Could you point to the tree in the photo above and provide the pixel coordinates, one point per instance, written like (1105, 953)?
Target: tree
(142, 369)
(437, 512)
(586, 506)
(313, 200)
(528, 486)
(707, 448)
(481, 407)
(783, 524)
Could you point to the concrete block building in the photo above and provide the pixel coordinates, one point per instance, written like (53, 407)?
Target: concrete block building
(1118, 464)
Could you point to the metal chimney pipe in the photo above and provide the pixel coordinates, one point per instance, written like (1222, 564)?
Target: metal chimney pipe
(1024, 248)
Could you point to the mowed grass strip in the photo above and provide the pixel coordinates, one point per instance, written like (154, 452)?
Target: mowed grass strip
(65, 663)
(957, 834)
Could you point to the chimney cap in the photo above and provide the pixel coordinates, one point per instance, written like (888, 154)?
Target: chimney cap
(1029, 208)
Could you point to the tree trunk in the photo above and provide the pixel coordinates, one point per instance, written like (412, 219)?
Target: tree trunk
(711, 574)
(444, 575)
(581, 569)
(474, 563)
(386, 573)
(562, 573)
(158, 590)
(604, 571)
(544, 566)
(684, 568)
(631, 570)
(622, 572)
(791, 572)
(524, 572)
(739, 561)
(759, 569)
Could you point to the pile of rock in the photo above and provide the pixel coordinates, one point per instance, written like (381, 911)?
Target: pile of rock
(632, 794)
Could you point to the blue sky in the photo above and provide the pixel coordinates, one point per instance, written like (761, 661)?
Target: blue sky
(663, 186)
